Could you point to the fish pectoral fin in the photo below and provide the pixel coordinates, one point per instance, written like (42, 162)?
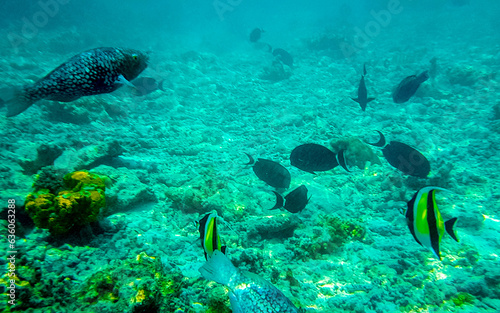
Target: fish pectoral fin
(369, 99)
(356, 99)
(121, 80)
(449, 228)
(279, 201)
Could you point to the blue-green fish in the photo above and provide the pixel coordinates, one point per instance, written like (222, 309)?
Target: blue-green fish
(93, 72)
(248, 292)
(425, 221)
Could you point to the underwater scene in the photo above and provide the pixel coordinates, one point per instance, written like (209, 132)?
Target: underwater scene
(250, 156)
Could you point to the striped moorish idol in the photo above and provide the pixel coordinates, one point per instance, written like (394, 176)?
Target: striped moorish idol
(425, 222)
(209, 235)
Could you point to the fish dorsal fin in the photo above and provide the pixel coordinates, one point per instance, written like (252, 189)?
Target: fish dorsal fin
(449, 228)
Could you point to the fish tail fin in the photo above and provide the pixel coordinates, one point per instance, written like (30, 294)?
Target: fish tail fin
(279, 201)
(381, 141)
(448, 225)
(341, 160)
(218, 268)
(16, 100)
(422, 77)
(250, 159)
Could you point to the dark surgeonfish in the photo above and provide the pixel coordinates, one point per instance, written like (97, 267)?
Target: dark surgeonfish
(425, 221)
(311, 157)
(272, 173)
(256, 34)
(96, 71)
(293, 202)
(248, 292)
(285, 57)
(362, 98)
(403, 157)
(408, 86)
(146, 85)
(209, 235)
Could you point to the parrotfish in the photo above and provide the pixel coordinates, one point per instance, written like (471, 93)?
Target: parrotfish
(294, 202)
(271, 172)
(93, 72)
(248, 292)
(362, 98)
(408, 86)
(425, 221)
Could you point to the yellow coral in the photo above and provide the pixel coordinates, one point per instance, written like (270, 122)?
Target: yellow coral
(80, 176)
(95, 195)
(140, 296)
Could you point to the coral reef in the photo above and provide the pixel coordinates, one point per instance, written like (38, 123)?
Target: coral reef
(133, 285)
(276, 72)
(46, 154)
(330, 234)
(468, 75)
(78, 204)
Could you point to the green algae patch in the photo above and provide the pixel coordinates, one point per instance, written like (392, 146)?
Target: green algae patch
(77, 204)
(330, 233)
(133, 285)
(463, 298)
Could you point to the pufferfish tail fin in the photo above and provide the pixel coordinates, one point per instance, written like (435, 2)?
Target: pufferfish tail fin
(16, 100)
(448, 225)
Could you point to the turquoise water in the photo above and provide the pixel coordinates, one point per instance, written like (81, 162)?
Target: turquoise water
(168, 157)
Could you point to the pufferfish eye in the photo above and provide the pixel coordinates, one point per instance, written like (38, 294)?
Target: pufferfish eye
(135, 57)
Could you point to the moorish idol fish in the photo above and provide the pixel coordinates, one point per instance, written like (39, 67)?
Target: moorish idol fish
(209, 235)
(425, 222)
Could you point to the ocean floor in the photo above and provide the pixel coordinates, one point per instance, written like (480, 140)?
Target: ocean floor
(175, 154)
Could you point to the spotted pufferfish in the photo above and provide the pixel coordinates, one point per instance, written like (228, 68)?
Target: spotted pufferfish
(93, 72)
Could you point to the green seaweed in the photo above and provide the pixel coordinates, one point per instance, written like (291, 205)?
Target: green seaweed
(463, 298)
